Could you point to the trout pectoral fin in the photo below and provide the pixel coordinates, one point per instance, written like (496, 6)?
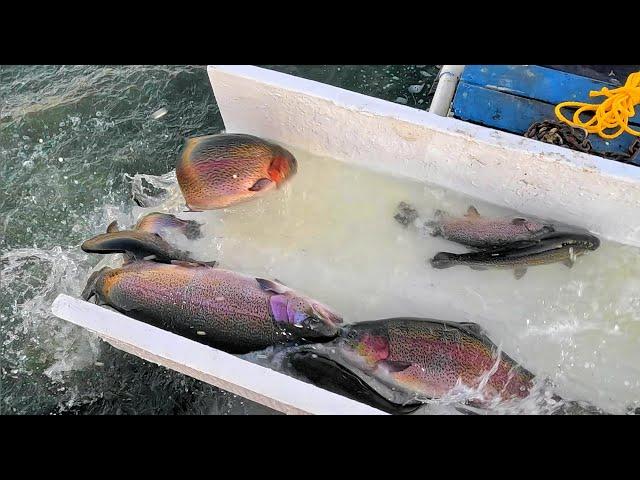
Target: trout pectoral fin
(128, 258)
(519, 221)
(472, 212)
(476, 267)
(519, 272)
(189, 209)
(395, 366)
(113, 227)
(192, 229)
(569, 262)
(261, 184)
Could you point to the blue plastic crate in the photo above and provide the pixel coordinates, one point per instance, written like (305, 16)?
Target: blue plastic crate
(512, 97)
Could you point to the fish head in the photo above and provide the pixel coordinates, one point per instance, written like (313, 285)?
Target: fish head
(305, 316)
(359, 344)
(365, 345)
(363, 350)
(283, 166)
(575, 237)
(326, 368)
(94, 286)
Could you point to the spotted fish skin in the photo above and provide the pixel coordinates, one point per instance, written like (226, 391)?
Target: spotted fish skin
(411, 359)
(476, 231)
(217, 171)
(552, 248)
(224, 309)
(160, 223)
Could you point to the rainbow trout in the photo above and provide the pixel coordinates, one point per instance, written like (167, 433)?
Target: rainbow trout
(136, 245)
(554, 247)
(397, 364)
(224, 309)
(217, 171)
(474, 230)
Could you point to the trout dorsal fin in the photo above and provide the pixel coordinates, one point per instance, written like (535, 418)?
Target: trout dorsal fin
(193, 263)
(472, 212)
(473, 328)
(395, 366)
(271, 286)
(113, 227)
(519, 272)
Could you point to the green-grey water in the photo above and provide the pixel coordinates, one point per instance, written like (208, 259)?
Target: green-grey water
(69, 138)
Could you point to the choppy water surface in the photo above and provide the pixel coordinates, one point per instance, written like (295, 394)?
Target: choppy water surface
(69, 136)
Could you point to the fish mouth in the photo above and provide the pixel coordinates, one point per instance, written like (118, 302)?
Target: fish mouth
(322, 328)
(293, 164)
(91, 288)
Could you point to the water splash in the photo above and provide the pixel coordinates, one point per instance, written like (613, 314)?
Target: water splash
(31, 279)
(160, 191)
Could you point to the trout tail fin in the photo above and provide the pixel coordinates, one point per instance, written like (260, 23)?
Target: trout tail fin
(574, 407)
(192, 230)
(443, 260)
(405, 214)
(113, 227)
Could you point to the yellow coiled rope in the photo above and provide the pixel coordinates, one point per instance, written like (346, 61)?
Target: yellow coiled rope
(614, 112)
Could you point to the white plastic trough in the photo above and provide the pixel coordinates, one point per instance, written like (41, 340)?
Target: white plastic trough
(257, 383)
(510, 171)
